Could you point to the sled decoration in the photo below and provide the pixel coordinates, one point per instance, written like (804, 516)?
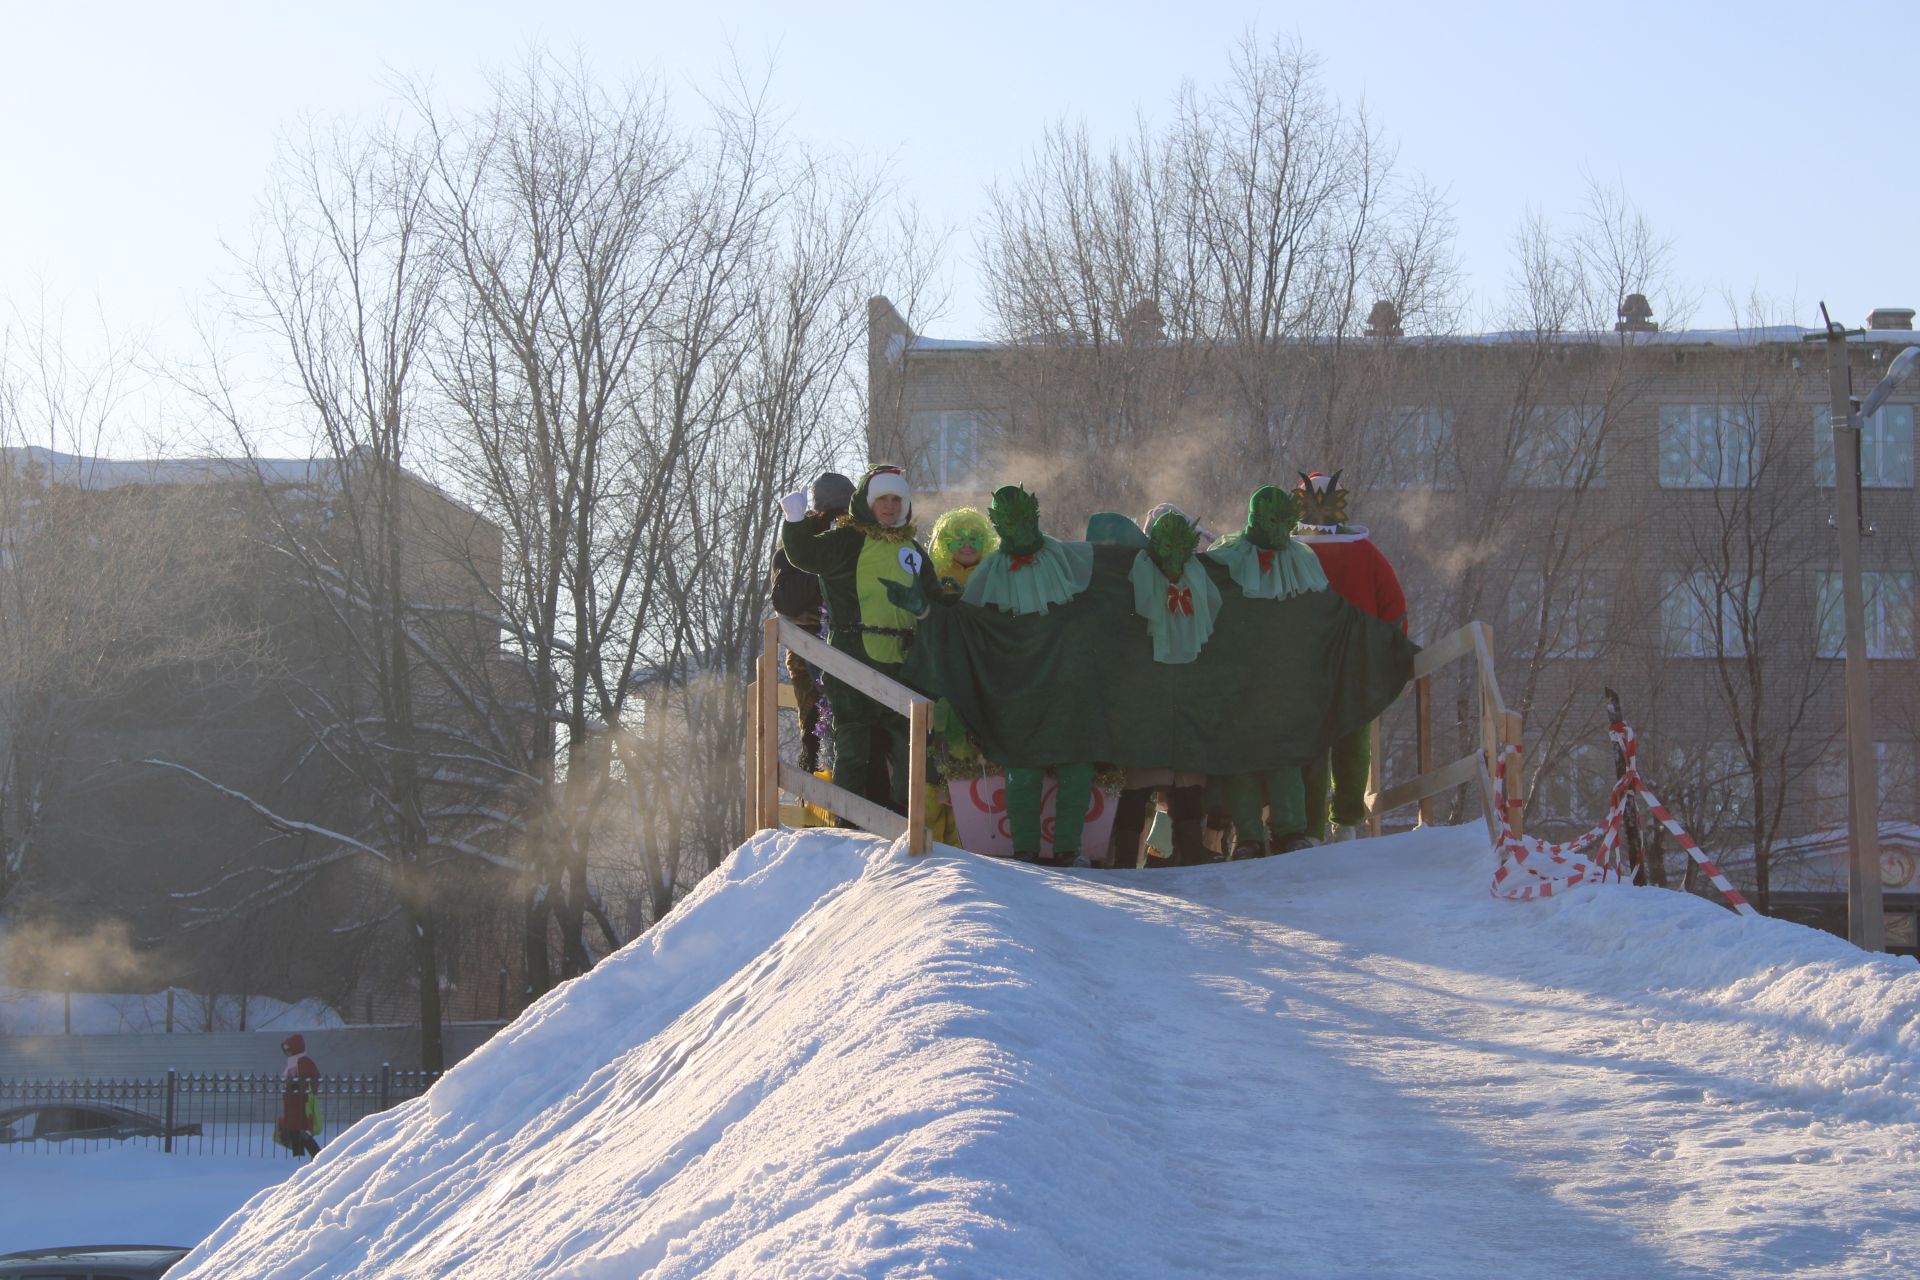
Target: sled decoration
(980, 812)
(1538, 869)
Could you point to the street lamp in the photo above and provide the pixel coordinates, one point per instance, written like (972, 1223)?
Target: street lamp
(1866, 921)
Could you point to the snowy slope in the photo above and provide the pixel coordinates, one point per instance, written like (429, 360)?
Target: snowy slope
(834, 1061)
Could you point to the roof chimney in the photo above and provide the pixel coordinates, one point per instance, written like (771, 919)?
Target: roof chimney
(1143, 325)
(1636, 315)
(1384, 320)
(1891, 318)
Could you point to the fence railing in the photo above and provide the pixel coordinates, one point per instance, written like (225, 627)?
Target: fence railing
(187, 1112)
(767, 774)
(1500, 729)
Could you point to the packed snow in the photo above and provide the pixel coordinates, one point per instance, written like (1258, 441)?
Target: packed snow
(835, 1060)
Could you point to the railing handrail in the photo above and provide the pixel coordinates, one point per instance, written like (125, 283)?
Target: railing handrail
(767, 773)
(1501, 730)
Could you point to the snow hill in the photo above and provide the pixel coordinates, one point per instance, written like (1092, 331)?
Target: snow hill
(1350, 1062)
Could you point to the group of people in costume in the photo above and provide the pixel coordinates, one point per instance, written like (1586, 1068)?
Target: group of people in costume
(1235, 677)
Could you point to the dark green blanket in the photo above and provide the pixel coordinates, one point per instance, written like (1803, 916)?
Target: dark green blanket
(1278, 681)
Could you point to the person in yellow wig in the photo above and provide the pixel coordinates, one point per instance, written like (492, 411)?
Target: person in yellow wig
(961, 539)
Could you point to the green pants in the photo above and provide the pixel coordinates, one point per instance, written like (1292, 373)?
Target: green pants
(1346, 766)
(1280, 792)
(1025, 788)
(856, 717)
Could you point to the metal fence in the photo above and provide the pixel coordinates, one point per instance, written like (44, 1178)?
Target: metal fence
(187, 1113)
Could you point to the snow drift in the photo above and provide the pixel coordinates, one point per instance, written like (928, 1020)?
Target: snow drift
(836, 1061)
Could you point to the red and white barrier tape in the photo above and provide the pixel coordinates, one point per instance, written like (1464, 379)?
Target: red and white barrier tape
(1521, 857)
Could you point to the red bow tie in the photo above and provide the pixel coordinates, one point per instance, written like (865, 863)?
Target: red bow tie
(1266, 560)
(1018, 562)
(1180, 600)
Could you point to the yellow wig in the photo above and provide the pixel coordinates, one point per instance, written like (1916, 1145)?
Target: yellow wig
(961, 525)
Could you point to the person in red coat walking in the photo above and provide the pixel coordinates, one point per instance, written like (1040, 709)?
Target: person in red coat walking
(298, 1104)
(1365, 579)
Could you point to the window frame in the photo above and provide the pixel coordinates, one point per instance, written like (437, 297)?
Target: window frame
(1734, 468)
(1875, 429)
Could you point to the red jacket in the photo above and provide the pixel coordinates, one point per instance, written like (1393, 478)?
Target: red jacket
(293, 1094)
(1360, 573)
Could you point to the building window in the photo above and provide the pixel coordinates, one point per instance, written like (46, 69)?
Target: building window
(1711, 779)
(1886, 447)
(1558, 447)
(1562, 618)
(1896, 766)
(1418, 448)
(1577, 787)
(947, 446)
(1705, 446)
(1889, 615)
(1704, 618)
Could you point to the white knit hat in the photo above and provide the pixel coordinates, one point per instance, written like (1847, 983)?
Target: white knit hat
(891, 481)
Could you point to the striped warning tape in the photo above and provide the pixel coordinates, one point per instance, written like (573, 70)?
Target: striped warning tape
(1537, 869)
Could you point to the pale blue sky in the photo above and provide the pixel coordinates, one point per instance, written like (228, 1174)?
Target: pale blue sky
(1763, 139)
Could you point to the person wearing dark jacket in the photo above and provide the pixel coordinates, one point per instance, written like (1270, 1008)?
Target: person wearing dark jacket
(796, 596)
(298, 1109)
(869, 547)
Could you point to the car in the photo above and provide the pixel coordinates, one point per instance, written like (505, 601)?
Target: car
(92, 1262)
(92, 1121)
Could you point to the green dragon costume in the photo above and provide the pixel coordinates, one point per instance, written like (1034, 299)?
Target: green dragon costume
(1269, 684)
(857, 559)
(1266, 564)
(1028, 574)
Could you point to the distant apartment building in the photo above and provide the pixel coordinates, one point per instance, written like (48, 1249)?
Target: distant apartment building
(128, 867)
(1641, 509)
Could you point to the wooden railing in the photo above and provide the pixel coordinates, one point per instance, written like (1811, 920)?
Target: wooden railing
(1500, 729)
(768, 775)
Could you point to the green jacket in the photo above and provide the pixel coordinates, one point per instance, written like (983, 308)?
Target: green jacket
(852, 559)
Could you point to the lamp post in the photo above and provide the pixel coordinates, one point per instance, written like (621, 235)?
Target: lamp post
(1866, 920)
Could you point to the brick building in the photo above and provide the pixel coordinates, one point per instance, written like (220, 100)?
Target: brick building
(128, 865)
(1642, 509)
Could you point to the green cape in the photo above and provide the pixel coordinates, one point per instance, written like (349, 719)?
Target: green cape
(1278, 681)
(1053, 575)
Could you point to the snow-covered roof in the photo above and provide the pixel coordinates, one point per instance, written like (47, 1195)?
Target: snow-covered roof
(1763, 335)
(1817, 861)
(112, 473)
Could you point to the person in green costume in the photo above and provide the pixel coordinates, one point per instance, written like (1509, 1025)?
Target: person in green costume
(1185, 790)
(1031, 572)
(1266, 564)
(857, 559)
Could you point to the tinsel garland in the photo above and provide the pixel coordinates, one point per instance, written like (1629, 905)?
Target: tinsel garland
(899, 533)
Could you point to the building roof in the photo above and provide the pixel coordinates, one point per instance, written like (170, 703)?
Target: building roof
(1763, 335)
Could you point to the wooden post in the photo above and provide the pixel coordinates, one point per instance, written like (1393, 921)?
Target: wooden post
(750, 768)
(769, 721)
(1375, 780)
(919, 729)
(1516, 773)
(1423, 739)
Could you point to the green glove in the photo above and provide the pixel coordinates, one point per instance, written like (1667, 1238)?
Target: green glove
(906, 595)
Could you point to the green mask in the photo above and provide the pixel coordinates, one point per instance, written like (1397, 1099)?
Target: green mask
(1015, 514)
(1170, 543)
(1271, 516)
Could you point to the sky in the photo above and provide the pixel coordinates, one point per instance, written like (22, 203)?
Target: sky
(1760, 138)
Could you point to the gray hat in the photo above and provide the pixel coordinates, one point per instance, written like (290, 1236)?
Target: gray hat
(830, 491)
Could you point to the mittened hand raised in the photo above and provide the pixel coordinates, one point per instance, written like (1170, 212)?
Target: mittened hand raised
(907, 596)
(794, 506)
